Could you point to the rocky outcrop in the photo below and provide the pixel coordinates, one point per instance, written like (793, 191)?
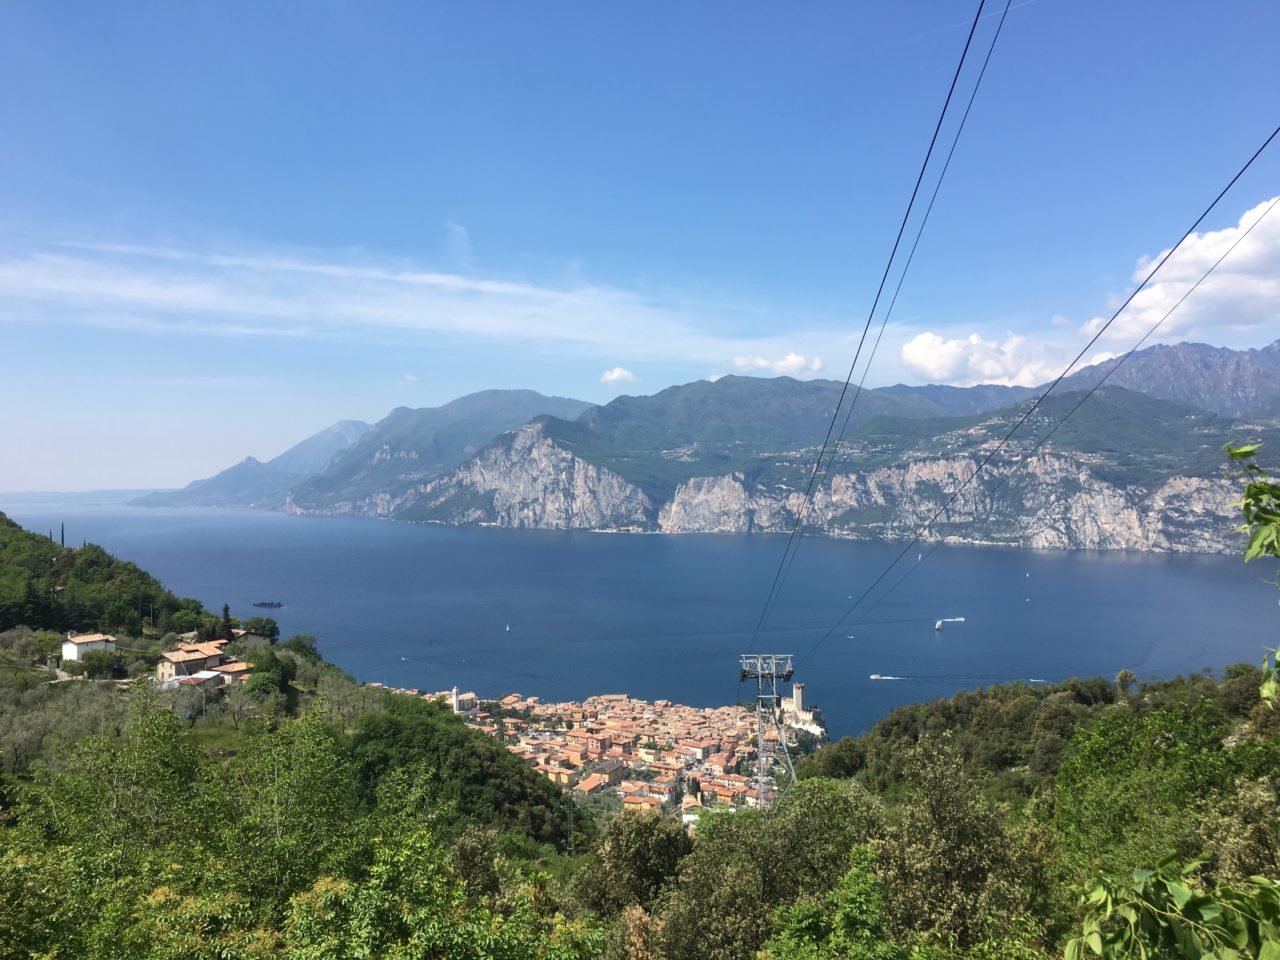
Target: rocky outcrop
(709, 505)
(530, 481)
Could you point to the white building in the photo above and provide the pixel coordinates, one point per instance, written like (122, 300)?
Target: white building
(75, 647)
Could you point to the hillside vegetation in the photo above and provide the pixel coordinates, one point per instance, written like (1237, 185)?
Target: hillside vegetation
(85, 588)
(309, 817)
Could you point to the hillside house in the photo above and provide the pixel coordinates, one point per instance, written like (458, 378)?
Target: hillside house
(75, 647)
(641, 803)
(612, 771)
(233, 670)
(251, 640)
(591, 785)
(188, 660)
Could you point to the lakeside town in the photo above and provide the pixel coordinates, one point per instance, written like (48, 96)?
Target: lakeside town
(647, 755)
(644, 755)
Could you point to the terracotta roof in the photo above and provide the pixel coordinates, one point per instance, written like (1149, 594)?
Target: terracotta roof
(651, 802)
(591, 783)
(93, 638)
(183, 656)
(211, 649)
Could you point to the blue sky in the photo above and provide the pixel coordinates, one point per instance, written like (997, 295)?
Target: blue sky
(225, 226)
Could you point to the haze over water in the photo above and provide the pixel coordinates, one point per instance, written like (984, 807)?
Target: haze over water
(666, 616)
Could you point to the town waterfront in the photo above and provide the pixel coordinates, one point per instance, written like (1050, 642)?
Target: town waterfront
(665, 617)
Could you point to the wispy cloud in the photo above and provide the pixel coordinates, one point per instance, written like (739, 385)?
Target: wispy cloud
(254, 295)
(458, 242)
(618, 375)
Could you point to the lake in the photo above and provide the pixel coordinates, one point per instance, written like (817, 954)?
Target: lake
(666, 616)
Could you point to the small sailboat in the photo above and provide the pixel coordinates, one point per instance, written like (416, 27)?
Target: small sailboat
(508, 628)
(938, 625)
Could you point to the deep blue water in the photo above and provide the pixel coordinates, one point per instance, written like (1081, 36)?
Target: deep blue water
(667, 616)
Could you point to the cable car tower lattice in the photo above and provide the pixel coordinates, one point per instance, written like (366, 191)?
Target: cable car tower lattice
(768, 669)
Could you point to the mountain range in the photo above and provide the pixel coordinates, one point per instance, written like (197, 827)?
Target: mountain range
(1137, 466)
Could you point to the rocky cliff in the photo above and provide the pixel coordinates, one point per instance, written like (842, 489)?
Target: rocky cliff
(527, 480)
(1125, 470)
(1053, 501)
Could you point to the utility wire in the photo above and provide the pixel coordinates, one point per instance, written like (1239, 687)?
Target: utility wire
(789, 561)
(1045, 439)
(920, 232)
(1039, 400)
(771, 599)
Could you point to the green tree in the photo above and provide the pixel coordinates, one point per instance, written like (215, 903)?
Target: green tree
(99, 664)
(49, 644)
(227, 624)
(303, 646)
(109, 825)
(835, 761)
(638, 855)
(264, 626)
(184, 621)
(1124, 793)
(474, 777)
(411, 905)
(287, 813)
(948, 861)
(1125, 680)
(272, 674)
(744, 865)
(847, 923)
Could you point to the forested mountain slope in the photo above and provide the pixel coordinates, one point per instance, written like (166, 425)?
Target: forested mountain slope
(76, 588)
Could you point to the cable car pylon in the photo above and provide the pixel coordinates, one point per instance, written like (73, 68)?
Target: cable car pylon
(768, 669)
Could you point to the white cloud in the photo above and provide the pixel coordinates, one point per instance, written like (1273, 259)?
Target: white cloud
(255, 295)
(964, 362)
(407, 379)
(1243, 293)
(618, 375)
(792, 365)
(1100, 357)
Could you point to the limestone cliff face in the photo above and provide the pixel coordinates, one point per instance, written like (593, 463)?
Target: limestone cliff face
(709, 505)
(529, 481)
(375, 505)
(1054, 501)
(1051, 502)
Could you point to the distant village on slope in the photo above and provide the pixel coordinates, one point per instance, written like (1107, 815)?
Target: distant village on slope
(661, 755)
(650, 755)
